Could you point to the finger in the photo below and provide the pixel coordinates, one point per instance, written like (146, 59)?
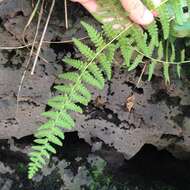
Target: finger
(156, 2)
(137, 11)
(90, 5)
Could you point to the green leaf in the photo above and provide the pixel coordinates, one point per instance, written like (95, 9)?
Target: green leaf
(84, 91)
(56, 105)
(42, 133)
(58, 132)
(72, 76)
(88, 78)
(38, 157)
(45, 153)
(79, 99)
(63, 123)
(84, 49)
(136, 62)
(63, 88)
(181, 61)
(37, 148)
(166, 72)
(164, 19)
(40, 141)
(55, 140)
(68, 119)
(77, 64)
(153, 32)
(96, 72)
(151, 68)
(105, 65)
(94, 35)
(172, 57)
(50, 148)
(73, 107)
(51, 114)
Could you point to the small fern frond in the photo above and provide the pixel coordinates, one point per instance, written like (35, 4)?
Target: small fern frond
(105, 64)
(153, 63)
(173, 54)
(110, 55)
(97, 73)
(166, 65)
(140, 39)
(166, 72)
(89, 79)
(75, 63)
(136, 62)
(72, 76)
(153, 32)
(109, 32)
(84, 49)
(95, 36)
(182, 59)
(84, 91)
(73, 94)
(151, 68)
(164, 20)
(126, 50)
(160, 51)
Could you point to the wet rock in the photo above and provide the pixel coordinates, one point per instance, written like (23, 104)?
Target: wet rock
(5, 169)
(5, 184)
(21, 120)
(154, 118)
(9, 8)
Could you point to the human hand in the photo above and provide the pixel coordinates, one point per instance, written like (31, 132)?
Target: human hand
(137, 11)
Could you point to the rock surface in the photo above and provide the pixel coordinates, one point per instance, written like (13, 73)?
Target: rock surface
(159, 116)
(123, 116)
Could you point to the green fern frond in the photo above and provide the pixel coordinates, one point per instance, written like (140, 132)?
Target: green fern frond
(153, 63)
(109, 32)
(166, 65)
(95, 36)
(166, 72)
(105, 64)
(84, 49)
(164, 17)
(136, 62)
(74, 93)
(110, 55)
(151, 68)
(153, 32)
(126, 50)
(140, 38)
(75, 63)
(182, 59)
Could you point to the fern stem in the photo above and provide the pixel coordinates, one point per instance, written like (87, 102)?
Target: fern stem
(86, 67)
(158, 60)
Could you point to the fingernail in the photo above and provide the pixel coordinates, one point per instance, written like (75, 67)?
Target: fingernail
(147, 17)
(155, 14)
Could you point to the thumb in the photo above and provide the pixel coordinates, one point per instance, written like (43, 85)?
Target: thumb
(137, 11)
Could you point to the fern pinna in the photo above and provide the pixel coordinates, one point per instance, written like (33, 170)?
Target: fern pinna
(134, 44)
